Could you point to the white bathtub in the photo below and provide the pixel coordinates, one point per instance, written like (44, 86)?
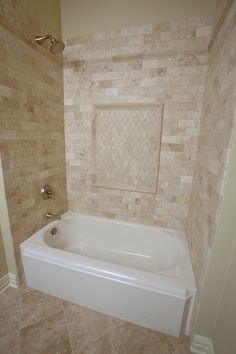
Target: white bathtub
(134, 272)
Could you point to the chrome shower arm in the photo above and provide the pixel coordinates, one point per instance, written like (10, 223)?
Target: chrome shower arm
(56, 46)
(42, 39)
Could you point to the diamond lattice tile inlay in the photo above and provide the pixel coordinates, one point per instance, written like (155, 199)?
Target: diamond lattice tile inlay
(126, 147)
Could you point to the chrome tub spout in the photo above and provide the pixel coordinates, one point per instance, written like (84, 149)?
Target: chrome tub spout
(53, 216)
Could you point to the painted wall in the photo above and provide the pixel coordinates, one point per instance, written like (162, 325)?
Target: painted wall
(48, 14)
(5, 227)
(220, 5)
(31, 122)
(149, 64)
(215, 141)
(3, 262)
(83, 17)
(217, 312)
(223, 335)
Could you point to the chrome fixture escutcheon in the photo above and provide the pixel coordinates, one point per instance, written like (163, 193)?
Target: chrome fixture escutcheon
(47, 192)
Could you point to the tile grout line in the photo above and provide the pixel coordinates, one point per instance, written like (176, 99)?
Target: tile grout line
(70, 340)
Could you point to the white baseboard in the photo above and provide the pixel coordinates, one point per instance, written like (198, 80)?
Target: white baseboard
(7, 280)
(4, 283)
(13, 280)
(202, 345)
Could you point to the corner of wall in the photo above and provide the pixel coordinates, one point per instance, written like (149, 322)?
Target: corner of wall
(5, 227)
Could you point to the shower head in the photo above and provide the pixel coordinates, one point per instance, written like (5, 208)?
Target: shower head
(56, 46)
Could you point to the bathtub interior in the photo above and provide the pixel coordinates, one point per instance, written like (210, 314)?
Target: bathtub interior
(124, 244)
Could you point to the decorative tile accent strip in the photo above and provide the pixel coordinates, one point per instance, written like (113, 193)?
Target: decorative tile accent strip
(127, 147)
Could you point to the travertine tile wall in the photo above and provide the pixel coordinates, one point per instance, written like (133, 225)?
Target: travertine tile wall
(216, 131)
(31, 122)
(151, 64)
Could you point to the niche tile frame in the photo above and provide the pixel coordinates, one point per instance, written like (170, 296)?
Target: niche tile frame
(107, 167)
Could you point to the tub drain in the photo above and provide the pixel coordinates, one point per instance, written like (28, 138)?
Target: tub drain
(54, 231)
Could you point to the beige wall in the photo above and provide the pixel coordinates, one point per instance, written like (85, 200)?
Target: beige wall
(223, 334)
(82, 17)
(217, 314)
(31, 121)
(5, 227)
(220, 5)
(215, 139)
(48, 14)
(3, 262)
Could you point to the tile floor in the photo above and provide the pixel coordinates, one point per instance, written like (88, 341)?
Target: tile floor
(35, 323)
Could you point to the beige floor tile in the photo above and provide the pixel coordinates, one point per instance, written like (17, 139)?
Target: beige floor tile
(9, 310)
(137, 340)
(48, 336)
(36, 306)
(177, 342)
(46, 329)
(184, 348)
(85, 325)
(131, 339)
(107, 344)
(9, 344)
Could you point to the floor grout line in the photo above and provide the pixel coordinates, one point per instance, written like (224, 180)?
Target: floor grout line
(69, 335)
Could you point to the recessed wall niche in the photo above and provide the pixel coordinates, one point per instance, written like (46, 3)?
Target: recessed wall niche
(126, 146)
